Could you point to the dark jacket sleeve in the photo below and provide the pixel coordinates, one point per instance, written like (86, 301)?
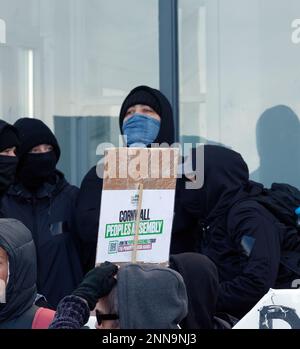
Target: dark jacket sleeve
(87, 217)
(185, 235)
(72, 193)
(72, 313)
(184, 232)
(88, 206)
(257, 236)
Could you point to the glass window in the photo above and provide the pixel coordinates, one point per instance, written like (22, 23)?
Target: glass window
(240, 81)
(76, 58)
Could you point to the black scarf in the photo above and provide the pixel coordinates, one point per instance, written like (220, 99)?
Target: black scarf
(8, 166)
(35, 169)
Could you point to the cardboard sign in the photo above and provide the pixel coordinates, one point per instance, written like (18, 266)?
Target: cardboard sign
(137, 205)
(278, 309)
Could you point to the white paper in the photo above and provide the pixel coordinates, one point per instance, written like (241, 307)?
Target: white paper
(278, 309)
(115, 243)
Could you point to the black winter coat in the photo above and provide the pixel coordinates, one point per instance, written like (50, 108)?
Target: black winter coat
(243, 239)
(50, 216)
(17, 241)
(87, 217)
(89, 199)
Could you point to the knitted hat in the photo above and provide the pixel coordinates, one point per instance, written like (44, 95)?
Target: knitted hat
(33, 132)
(150, 297)
(140, 97)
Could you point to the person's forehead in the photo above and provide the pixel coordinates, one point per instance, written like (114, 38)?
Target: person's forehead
(140, 106)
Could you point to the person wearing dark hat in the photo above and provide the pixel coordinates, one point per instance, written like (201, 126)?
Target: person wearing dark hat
(146, 296)
(44, 201)
(18, 271)
(146, 117)
(38, 153)
(8, 161)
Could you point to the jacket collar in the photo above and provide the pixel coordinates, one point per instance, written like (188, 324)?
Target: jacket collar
(46, 190)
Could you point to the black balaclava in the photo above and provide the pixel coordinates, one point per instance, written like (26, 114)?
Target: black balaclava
(17, 241)
(8, 164)
(200, 276)
(226, 180)
(35, 169)
(156, 100)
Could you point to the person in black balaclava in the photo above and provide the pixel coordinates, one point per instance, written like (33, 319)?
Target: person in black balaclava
(8, 161)
(44, 201)
(38, 154)
(238, 234)
(145, 117)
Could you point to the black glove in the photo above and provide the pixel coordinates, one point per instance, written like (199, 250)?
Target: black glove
(97, 283)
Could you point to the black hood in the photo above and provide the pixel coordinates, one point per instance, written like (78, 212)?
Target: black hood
(166, 132)
(17, 241)
(226, 181)
(150, 297)
(33, 132)
(8, 136)
(4, 125)
(200, 276)
(8, 164)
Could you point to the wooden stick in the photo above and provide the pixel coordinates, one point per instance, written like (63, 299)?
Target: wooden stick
(137, 224)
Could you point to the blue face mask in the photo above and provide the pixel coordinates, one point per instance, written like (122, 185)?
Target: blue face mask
(140, 130)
